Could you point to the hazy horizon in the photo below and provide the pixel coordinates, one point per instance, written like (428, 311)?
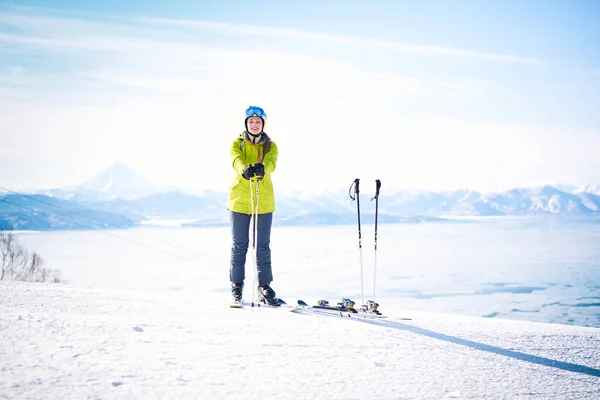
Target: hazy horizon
(365, 185)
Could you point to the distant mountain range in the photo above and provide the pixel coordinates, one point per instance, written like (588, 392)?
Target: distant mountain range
(116, 182)
(121, 198)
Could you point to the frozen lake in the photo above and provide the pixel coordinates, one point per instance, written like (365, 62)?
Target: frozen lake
(532, 268)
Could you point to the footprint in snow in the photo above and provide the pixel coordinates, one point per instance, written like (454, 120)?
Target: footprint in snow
(138, 329)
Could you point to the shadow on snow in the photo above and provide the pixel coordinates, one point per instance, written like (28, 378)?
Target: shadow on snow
(582, 369)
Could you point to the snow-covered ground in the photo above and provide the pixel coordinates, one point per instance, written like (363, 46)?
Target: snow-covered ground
(73, 342)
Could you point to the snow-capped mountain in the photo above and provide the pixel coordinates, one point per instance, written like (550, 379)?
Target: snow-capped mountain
(541, 200)
(117, 181)
(120, 181)
(462, 202)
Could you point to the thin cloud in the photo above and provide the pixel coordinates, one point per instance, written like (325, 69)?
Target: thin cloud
(11, 72)
(425, 50)
(39, 42)
(158, 61)
(161, 64)
(50, 23)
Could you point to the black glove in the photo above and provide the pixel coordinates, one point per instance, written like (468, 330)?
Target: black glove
(248, 172)
(259, 169)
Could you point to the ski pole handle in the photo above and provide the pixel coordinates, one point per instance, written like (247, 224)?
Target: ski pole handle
(377, 187)
(354, 185)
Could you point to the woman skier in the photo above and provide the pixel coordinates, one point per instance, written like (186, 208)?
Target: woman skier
(254, 158)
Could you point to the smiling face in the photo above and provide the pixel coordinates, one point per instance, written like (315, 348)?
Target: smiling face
(254, 125)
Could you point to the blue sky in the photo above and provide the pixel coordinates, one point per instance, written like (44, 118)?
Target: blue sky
(430, 94)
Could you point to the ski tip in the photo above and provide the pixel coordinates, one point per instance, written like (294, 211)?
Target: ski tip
(302, 303)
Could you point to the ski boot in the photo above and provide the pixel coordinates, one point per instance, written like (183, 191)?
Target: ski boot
(236, 291)
(267, 294)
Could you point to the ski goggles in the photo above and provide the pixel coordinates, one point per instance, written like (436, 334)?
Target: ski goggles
(256, 111)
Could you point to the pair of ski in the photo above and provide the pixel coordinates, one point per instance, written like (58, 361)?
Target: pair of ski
(345, 306)
(343, 309)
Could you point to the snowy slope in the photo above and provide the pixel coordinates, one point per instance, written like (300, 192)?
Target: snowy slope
(68, 342)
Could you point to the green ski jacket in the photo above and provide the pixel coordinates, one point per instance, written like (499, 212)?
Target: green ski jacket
(243, 153)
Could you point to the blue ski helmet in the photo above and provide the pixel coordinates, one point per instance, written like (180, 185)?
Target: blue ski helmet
(255, 111)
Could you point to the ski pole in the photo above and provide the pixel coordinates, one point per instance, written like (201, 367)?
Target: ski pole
(356, 197)
(377, 187)
(254, 202)
(252, 238)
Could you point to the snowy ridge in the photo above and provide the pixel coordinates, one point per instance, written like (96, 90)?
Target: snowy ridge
(62, 341)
